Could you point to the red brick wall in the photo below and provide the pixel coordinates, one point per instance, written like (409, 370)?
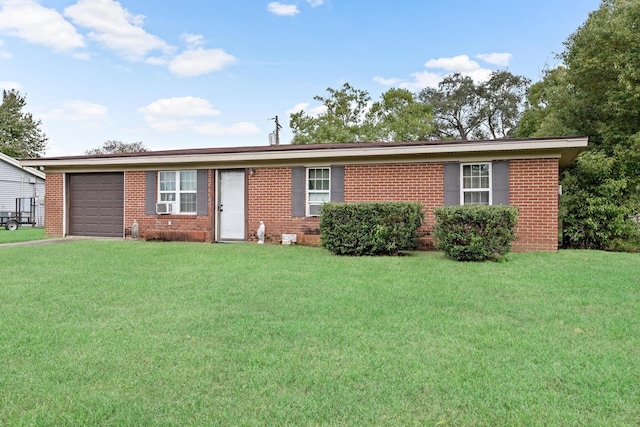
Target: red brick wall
(269, 195)
(533, 187)
(134, 198)
(269, 200)
(54, 204)
(183, 227)
(417, 182)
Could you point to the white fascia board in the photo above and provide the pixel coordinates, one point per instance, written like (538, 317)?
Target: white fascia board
(250, 157)
(17, 164)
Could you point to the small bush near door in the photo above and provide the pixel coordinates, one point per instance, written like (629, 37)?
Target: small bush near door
(475, 233)
(382, 228)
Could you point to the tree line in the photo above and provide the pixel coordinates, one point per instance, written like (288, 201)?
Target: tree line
(596, 92)
(458, 109)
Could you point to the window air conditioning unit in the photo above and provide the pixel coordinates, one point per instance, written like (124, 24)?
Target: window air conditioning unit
(164, 208)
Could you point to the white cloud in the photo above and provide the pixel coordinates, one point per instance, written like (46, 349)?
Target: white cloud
(198, 61)
(113, 27)
(316, 111)
(116, 29)
(187, 113)
(186, 106)
(461, 64)
(82, 112)
(297, 108)
(500, 59)
(304, 106)
(7, 85)
(387, 82)
(193, 40)
(421, 80)
(479, 75)
(282, 9)
(37, 24)
(441, 67)
(456, 64)
(288, 9)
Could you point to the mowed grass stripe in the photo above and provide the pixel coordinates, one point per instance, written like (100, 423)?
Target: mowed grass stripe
(115, 333)
(22, 234)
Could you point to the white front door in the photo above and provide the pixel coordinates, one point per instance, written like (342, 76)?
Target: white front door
(231, 205)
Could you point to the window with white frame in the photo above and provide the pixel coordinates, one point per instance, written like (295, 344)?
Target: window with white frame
(179, 188)
(318, 189)
(476, 184)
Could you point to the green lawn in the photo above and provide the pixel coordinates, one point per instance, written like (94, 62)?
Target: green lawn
(137, 333)
(22, 234)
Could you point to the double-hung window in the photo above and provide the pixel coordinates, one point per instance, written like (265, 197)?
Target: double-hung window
(476, 184)
(179, 188)
(318, 189)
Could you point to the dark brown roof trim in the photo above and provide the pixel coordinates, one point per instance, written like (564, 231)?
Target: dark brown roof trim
(289, 147)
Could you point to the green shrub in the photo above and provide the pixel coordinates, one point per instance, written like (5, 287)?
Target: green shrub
(631, 242)
(475, 233)
(596, 202)
(370, 228)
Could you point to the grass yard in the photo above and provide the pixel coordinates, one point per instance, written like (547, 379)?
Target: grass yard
(137, 333)
(22, 234)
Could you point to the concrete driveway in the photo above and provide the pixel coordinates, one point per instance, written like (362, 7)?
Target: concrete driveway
(56, 240)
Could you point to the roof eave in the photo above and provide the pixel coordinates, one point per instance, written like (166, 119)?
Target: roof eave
(10, 160)
(564, 148)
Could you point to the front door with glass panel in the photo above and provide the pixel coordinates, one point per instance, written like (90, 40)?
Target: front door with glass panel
(231, 205)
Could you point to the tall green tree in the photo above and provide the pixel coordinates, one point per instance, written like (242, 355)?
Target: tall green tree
(596, 92)
(344, 118)
(603, 71)
(400, 116)
(548, 106)
(350, 116)
(20, 133)
(455, 104)
(593, 209)
(117, 147)
(501, 104)
(465, 110)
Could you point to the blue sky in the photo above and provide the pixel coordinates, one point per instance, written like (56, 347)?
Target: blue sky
(211, 73)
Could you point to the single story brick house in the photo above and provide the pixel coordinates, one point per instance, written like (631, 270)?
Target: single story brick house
(222, 194)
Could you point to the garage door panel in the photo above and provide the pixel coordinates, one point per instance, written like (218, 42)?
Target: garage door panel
(96, 204)
(88, 212)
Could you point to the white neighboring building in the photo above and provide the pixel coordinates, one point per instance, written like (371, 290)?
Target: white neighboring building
(20, 181)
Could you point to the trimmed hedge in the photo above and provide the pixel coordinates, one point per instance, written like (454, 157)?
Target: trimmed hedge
(380, 228)
(475, 233)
